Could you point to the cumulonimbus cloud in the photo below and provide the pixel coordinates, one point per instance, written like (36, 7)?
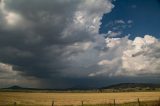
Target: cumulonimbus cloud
(56, 42)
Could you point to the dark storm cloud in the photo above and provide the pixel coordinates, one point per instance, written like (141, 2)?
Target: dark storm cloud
(27, 49)
(38, 38)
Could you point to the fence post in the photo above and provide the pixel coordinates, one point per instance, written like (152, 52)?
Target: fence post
(15, 103)
(53, 103)
(138, 102)
(82, 103)
(114, 102)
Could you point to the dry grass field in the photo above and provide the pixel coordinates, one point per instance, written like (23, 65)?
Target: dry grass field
(74, 98)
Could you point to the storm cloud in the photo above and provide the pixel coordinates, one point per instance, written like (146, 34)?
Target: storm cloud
(56, 43)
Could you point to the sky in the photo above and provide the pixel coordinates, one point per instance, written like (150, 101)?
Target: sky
(138, 17)
(79, 43)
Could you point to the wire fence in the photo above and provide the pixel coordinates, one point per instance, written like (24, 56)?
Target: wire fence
(138, 102)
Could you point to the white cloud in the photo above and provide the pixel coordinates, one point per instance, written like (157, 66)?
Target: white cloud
(111, 42)
(119, 22)
(136, 59)
(150, 39)
(132, 58)
(88, 15)
(113, 34)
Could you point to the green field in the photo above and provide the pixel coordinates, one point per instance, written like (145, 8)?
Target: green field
(45, 99)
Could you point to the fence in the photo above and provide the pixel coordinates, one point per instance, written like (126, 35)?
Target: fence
(138, 103)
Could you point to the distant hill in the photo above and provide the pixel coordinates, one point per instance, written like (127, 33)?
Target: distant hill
(14, 87)
(132, 85)
(126, 87)
(19, 88)
(122, 87)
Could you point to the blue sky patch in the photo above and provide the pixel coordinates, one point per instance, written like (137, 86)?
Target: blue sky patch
(136, 18)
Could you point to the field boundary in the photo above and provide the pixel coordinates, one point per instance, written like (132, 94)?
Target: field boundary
(84, 103)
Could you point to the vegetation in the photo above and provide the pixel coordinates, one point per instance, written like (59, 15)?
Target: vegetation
(131, 87)
(85, 99)
(122, 87)
(127, 94)
(144, 103)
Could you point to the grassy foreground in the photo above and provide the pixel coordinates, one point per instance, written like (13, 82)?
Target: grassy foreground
(85, 99)
(144, 103)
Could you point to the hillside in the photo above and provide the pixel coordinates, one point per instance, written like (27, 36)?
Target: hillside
(122, 87)
(132, 87)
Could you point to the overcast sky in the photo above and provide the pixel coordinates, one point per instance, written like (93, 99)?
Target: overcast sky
(79, 43)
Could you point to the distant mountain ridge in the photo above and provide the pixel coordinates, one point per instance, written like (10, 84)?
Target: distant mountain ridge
(14, 87)
(119, 87)
(132, 85)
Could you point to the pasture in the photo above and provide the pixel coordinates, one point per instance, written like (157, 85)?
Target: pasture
(46, 99)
